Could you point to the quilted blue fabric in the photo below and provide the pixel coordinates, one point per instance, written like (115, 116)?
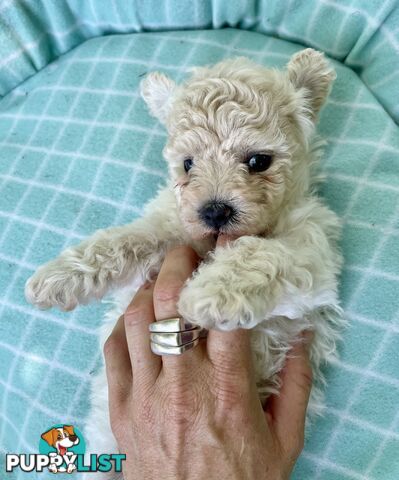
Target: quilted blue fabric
(361, 34)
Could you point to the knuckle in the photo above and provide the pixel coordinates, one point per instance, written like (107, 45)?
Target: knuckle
(229, 369)
(230, 384)
(135, 313)
(113, 345)
(167, 294)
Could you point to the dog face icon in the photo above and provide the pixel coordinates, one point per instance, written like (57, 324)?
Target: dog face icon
(61, 438)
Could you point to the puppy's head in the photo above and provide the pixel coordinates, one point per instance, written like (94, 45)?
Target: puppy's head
(61, 438)
(237, 139)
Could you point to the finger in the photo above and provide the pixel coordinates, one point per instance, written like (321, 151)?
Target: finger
(288, 408)
(178, 265)
(224, 239)
(117, 364)
(230, 350)
(230, 354)
(138, 316)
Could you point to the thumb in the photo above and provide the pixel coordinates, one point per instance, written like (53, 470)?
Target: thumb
(288, 408)
(224, 239)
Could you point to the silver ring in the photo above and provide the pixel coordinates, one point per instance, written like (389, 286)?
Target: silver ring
(174, 336)
(175, 339)
(159, 349)
(171, 325)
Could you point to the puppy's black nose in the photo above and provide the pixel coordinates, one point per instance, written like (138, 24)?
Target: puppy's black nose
(72, 438)
(215, 214)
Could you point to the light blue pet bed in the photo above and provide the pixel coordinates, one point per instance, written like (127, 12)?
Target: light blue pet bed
(78, 152)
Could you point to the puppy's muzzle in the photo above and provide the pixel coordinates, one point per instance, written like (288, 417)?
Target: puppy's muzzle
(216, 214)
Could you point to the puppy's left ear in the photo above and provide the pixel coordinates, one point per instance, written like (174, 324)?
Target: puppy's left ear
(309, 70)
(157, 89)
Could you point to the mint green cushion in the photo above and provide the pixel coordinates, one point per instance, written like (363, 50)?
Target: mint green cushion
(80, 152)
(363, 34)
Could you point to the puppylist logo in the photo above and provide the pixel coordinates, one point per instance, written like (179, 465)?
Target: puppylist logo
(62, 450)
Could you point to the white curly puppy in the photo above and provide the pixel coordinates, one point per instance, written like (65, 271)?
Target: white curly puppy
(240, 155)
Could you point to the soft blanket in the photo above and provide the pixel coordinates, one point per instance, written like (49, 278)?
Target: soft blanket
(78, 152)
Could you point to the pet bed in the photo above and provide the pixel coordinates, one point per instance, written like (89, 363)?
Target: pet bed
(79, 152)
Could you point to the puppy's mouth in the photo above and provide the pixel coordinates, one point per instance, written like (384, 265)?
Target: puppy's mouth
(232, 227)
(62, 449)
(229, 229)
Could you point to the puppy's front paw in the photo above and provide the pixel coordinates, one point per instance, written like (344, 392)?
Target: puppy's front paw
(54, 286)
(208, 301)
(71, 468)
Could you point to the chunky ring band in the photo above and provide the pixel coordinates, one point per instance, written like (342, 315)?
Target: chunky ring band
(174, 336)
(159, 349)
(176, 339)
(171, 325)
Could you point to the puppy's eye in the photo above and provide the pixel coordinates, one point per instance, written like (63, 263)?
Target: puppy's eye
(188, 163)
(259, 162)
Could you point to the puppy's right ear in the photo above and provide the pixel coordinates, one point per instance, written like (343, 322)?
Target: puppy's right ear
(50, 436)
(157, 89)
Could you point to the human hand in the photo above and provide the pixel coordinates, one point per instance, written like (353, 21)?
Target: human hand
(198, 415)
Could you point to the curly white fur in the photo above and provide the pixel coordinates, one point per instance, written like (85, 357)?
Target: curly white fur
(280, 276)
